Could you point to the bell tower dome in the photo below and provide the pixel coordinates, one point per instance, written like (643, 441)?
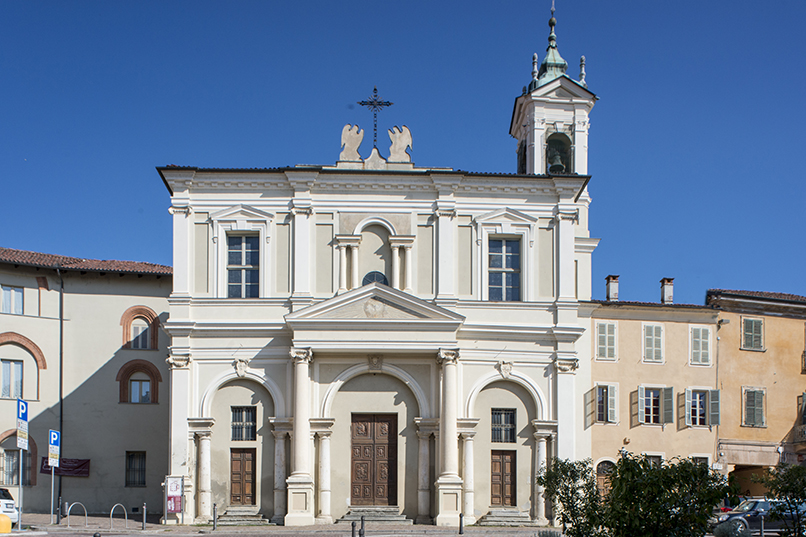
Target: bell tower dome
(550, 118)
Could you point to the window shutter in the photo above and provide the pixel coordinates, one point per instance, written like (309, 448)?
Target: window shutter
(648, 354)
(749, 407)
(695, 345)
(668, 405)
(688, 407)
(641, 416)
(705, 339)
(612, 403)
(658, 354)
(713, 403)
(611, 340)
(757, 334)
(602, 350)
(759, 410)
(6, 300)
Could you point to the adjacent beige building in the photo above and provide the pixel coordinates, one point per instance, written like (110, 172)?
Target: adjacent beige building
(80, 342)
(654, 384)
(762, 376)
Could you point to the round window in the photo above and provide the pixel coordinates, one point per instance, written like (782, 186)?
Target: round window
(375, 276)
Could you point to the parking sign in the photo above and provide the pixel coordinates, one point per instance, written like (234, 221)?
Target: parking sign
(54, 445)
(22, 424)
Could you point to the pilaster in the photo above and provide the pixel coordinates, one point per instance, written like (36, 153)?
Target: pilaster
(449, 484)
(300, 483)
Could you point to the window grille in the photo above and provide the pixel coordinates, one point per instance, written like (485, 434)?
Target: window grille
(135, 468)
(503, 429)
(244, 423)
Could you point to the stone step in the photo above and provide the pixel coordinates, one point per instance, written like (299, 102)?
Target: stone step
(243, 516)
(375, 515)
(506, 517)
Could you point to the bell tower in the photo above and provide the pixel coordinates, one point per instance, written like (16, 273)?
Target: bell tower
(550, 118)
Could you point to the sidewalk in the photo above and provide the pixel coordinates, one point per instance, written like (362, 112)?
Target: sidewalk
(101, 524)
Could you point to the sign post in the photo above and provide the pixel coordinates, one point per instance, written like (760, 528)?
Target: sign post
(54, 445)
(22, 443)
(174, 496)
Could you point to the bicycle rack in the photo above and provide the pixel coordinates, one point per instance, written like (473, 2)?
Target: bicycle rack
(86, 518)
(125, 514)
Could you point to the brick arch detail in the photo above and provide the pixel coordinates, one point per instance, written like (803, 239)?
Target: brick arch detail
(31, 447)
(27, 344)
(149, 316)
(139, 366)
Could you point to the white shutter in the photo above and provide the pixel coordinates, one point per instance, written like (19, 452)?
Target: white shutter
(6, 300)
(648, 354)
(695, 345)
(612, 403)
(658, 354)
(602, 337)
(705, 342)
(641, 404)
(688, 406)
(17, 300)
(611, 340)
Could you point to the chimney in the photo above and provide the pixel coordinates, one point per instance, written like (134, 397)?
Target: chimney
(612, 288)
(667, 290)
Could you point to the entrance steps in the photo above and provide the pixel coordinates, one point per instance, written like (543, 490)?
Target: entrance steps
(506, 517)
(380, 514)
(243, 516)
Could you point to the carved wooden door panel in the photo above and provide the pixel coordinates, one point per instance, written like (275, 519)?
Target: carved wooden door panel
(242, 477)
(374, 459)
(502, 479)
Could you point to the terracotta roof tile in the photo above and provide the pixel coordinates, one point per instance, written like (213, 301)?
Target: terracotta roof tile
(757, 294)
(36, 259)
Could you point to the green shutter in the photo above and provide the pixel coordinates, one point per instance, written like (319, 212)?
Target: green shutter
(713, 403)
(759, 420)
(668, 405)
(749, 407)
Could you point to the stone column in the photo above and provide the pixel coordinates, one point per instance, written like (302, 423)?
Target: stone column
(205, 477)
(541, 461)
(469, 510)
(324, 478)
(449, 484)
(279, 477)
(395, 266)
(409, 270)
(423, 487)
(355, 284)
(342, 268)
(300, 482)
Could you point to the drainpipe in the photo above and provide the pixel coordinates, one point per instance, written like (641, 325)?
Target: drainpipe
(61, 364)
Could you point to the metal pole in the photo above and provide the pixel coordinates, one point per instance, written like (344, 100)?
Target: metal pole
(762, 524)
(52, 488)
(144, 515)
(215, 517)
(461, 523)
(59, 515)
(182, 501)
(352, 532)
(22, 463)
(361, 531)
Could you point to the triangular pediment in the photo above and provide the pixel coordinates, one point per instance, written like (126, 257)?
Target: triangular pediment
(374, 302)
(563, 88)
(506, 215)
(241, 212)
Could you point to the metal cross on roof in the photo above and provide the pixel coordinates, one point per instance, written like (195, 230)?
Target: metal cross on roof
(375, 104)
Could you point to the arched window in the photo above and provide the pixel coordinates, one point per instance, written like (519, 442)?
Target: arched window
(603, 471)
(10, 460)
(139, 382)
(140, 328)
(558, 154)
(375, 276)
(20, 362)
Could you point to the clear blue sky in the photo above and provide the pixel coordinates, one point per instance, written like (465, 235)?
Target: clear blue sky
(696, 149)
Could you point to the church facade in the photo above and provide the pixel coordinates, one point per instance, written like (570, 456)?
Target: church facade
(378, 334)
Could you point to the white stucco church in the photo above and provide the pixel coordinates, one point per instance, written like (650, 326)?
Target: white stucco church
(373, 336)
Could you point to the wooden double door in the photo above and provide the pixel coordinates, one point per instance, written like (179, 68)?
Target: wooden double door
(373, 459)
(502, 479)
(242, 476)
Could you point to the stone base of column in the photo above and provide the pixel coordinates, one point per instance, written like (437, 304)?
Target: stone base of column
(205, 513)
(203, 520)
(541, 521)
(278, 519)
(424, 519)
(324, 519)
(300, 501)
(449, 500)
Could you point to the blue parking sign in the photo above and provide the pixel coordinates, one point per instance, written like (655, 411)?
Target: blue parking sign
(22, 410)
(54, 438)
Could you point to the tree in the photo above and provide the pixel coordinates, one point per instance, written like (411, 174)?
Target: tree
(787, 483)
(571, 487)
(669, 499)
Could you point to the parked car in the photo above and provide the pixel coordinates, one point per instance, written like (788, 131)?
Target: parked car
(8, 506)
(749, 513)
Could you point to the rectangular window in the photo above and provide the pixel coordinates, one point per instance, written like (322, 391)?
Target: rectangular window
(754, 407)
(140, 391)
(701, 346)
(606, 404)
(243, 266)
(702, 407)
(655, 405)
(135, 468)
(505, 270)
(503, 428)
(10, 468)
(655, 460)
(12, 300)
(752, 334)
(139, 334)
(698, 411)
(244, 423)
(700, 460)
(606, 341)
(11, 381)
(653, 343)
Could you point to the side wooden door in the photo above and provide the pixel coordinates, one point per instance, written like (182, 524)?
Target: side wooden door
(373, 459)
(502, 479)
(242, 476)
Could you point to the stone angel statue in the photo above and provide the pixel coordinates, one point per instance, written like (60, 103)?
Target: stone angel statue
(351, 137)
(401, 139)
